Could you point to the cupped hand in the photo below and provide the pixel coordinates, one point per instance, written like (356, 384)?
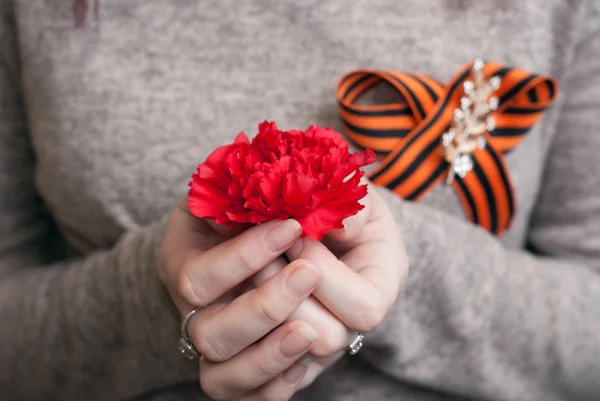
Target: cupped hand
(245, 340)
(363, 268)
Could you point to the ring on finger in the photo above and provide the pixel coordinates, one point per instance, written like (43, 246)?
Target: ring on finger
(355, 345)
(186, 347)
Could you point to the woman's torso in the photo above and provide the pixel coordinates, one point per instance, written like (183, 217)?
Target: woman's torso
(121, 111)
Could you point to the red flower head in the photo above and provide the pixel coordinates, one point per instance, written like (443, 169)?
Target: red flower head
(306, 175)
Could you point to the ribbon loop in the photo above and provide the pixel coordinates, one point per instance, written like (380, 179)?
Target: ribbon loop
(414, 135)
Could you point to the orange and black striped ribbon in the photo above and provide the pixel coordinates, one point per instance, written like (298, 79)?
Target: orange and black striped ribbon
(408, 134)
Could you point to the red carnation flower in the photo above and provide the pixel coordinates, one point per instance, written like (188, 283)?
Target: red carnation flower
(306, 175)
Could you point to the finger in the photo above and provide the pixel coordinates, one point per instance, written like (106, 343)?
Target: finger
(258, 363)
(251, 282)
(370, 223)
(221, 229)
(360, 299)
(252, 315)
(353, 225)
(226, 231)
(206, 276)
(282, 387)
(185, 236)
(316, 367)
(332, 334)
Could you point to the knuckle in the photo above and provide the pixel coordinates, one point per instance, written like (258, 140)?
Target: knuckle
(210, 347)
(330, 342)
(370, 315)
(189, 288)
(268, 313)
(211, 387)
(244, 262)
(265, 370)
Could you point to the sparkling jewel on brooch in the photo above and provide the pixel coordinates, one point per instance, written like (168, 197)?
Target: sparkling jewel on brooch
(463, 165)
(478, 64)
(472, 120)
(447, 138)
(468, 87)
(495, 83)
(459, 115)
(465, 103)
(493, 103)
(490, 124)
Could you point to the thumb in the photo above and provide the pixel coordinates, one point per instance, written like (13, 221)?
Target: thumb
(353, 225)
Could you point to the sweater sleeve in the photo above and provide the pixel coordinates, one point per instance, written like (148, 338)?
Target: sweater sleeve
(97, 328)
(484, 322)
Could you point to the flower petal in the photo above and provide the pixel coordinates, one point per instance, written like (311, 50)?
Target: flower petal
(298, 188)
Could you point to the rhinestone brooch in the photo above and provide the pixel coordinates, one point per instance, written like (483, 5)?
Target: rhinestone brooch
(472, 120)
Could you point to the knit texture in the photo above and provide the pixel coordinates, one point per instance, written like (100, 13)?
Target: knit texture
(104, 115)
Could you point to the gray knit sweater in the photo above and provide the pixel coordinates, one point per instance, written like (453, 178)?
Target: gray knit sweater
(101, 125)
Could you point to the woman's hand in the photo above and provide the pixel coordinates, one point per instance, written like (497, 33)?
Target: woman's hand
(250, 339)
(363, 268)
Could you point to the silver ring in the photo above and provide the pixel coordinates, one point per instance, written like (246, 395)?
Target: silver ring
(356, 345)
(186, 347)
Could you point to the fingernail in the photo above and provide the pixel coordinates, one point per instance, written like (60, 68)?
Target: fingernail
(295, 373)
(303, 280)
(282, 235)
(296, 249)
(297, 341)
